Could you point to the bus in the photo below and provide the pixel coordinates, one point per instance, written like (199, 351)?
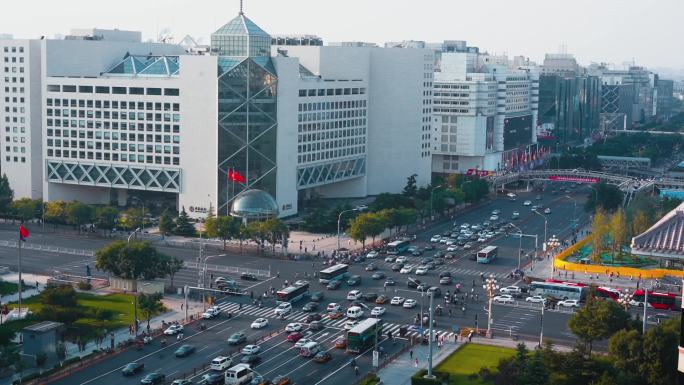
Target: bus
(292, 294)
(656, 300)
(559, 290)
(363, 335)
(487, 254)
(397, 247)
(607, 292)
(333, 273)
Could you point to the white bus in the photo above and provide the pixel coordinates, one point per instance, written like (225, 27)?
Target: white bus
(238, 375)
(559, 290)
(333, 273)
(487, 254)
(397, 247)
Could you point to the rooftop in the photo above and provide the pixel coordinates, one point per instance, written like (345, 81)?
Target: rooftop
(145, 66)
(665, 238)
(43, 327)
(241, 25)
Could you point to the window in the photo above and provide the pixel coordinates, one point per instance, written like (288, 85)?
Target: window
(136, 90)
(171, 91)
(66, 88)
(101, 90)
(119, 90)
(53, 88)
(153, 91)
(85, 89)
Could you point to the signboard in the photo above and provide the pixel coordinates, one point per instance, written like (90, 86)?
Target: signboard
(578, 179)
(376, 356)
(472, 171)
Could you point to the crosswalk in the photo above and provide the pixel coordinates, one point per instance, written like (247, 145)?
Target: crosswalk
(511, 321)
(456, 271)
(300, 316)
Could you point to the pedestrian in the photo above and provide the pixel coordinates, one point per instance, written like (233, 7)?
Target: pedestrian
(251, 294)
(411, 353)
(416, 363)
(181, 305)
(277, 274)
(449, 312)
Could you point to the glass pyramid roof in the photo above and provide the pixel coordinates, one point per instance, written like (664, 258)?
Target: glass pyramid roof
(142, 65)
(241, 25)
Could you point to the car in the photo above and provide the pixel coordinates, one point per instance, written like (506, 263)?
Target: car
(397, 266)
(510, 290)
(515, 215)
(173, 329)
(445, 240)
(406, 270)
(538, 197)
(340, 343)
(210, 378)
(489, 235)
(259, 323)
(184, 351)
(429, 248)
(547, 211)
(249, 277)
(132, 368)
(449, 256)
(397, 301)
(322, 357)
(293, 327)
(281, 380)
(435, 238)
(445, 281)
(494, 218)
(302, 342)
(315, 325)
(465, 225)
(472, 257)
(445, 274)
(422, 287)
(251, 349)
(300, 282)
(409, 303)
(381, 299)
(657, 318)
(389, 281)
(310, 306)
(504, 298)
(211, 312)
(294, 337)
(389, 259)
(354, 280)
(237, 338)
(370, 297)
(417, 253)
(334, 284)
(413, 283)
(350, 324)
(313, 317)
(401, 259)
(438, 261)
(220, 280)
(354, 295)
(251, 359)
(476, 227)
(332, 306)
(421, 270)
(535, 299)
(535, 208)
(437, 292)
(370, 267)
(569, 303)
(360, 259)
(482, 239)
(372, 254)
(452, 248)
(378, 275)
(496, 212)
(335, 314)
(283, 308)
(153, 378)
(468, 246)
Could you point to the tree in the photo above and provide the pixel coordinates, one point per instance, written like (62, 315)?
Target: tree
(597, 320)
(219, 227)
(609, 197)
(257, 232)
(132, 260)
(410, 189)
(131, 218)
(6, 195)
(599, 229)
(183, 225)
(173, 266)
(535, 372)
(618, 231)
(60, 304)
(27, 208)
(166, 223)
(79, 214)
(377, 224)
(390, 201)
(626, 350)
(359, 228)
(106, 217)
(640, 223)
(659, 364)
(55, 212)
(149, 305)
(276, 232)
(9, 355)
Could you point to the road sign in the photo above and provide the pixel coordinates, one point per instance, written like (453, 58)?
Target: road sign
(376, 357)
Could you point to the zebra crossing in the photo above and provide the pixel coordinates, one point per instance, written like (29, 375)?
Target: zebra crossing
(300, 316)
(446, 267)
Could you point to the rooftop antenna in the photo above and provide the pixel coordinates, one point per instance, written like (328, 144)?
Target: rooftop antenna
(241, 12)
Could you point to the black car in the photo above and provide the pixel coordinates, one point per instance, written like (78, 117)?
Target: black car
(354, 280)
(426, 260)
(249, 277)
(445, 274)
(390, 281)
(311, 306)
(213, 378)
(397, 266)
(429, 247)
(417, 253)
(413, 283)
(132, 368)
(317, 296)
(359, 259)
(251, 359)
(237, 338)
(315, 325)
(312, 317)
(153, 378)
(378, 275)
(439, 254)
(461, 242)
(437, 291)
(334, 284)
(371, 267)
(185, 351)
(371, 297)
(472, 257)
(438, 261)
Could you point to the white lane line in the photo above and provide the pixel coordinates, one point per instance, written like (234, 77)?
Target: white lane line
(211, 355)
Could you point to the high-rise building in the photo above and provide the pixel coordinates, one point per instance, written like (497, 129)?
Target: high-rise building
(665, 98)
(569, 104)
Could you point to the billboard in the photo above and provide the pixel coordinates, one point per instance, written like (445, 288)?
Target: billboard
(578, 179)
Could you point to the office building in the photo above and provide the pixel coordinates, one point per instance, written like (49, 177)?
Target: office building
(665, 98)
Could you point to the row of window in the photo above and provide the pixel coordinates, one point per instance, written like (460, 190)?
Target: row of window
(20, 149)
(90, 114)
(115, 156)
(332, 92)
(113, 104)
(13, 49)
(333, 154)
(14, 70)
(107, 135)
(13, 59)
(14, 79)
(16, 159)
(113, 90)
(14, 90)
(332, 125)
(322, 106)
(15, 139)
(330, 144)
(131, 147)
(14, 99)
(123, 126)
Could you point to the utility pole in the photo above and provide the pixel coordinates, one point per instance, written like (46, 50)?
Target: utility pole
(645, 306)
(185, 305)
(541, 330)
(430, 334)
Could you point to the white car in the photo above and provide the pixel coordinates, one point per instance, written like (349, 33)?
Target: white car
(496, 212)
(401, 259)
(527, 203)
(535, 299)
(173, 329)
(569, 303)
(482, 239)
(435, 238)
(397, 301)
(511, 195)
(389, 259)
(378, 311)
(302, 342)
(332, 306)
(251, 349)
(505, 298)
(510, 290)
(350, 324)
(443, 240)
(494, 218)
(410, 303)
(489, 235)
(450, 242)
(300, 282)
(259, 323)
(406, 270)
(451, 248)
(465, 226)
(421, 270)
(372, 254)
(283, 309)
(547, 211)
(211, 312)
(516, 214)
(293, 327)
(354, 295)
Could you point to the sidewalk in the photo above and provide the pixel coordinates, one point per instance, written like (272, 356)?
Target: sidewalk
(30, 280)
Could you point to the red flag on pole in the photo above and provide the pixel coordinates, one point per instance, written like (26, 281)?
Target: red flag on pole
(236, 176)
(23, 233)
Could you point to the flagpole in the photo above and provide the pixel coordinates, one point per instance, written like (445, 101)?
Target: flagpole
(19, 263)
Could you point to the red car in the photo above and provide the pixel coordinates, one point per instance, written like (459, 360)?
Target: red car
(294, 337)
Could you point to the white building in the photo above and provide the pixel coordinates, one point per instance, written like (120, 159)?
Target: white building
(106, 117)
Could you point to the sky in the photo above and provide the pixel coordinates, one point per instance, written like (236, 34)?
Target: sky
(611, 31)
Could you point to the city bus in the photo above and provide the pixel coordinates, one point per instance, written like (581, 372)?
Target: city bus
(333, 273)
(363, 335)
(397, 247)
(608, 292)
(559, 290)
(487, 255)
(292, 294)
(656, 300)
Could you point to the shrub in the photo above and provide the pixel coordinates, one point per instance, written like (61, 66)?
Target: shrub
(85, 285)
(418, 379)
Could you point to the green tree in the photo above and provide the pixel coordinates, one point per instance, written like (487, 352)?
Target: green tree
(411, 189)
(27, 208)
(640, 223)
(257, 232)
(166, 223)
(149, 305)
(535, 372)
(659, 364)
(183, 225)
(276, 232)
(9, 355)
(390, 201)
(173, 266)
(626, 350)
(606, 379)
(106, 218)
(597, 320)
(219, 227)
(618, 231)
(407, 216)
(359, 228)
(609, 197)
(132, 260)
(131, 218)
(6, 195)
(60, 304)
(377, 224)
(79, 214)
(55, 212)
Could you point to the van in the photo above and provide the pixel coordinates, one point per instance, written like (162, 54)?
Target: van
(354, 295)
(221, 363)
(309, 349)
(239, 374)
(354, 312)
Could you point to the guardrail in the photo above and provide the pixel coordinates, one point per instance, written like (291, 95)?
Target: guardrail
(47, 248)
(229, 269)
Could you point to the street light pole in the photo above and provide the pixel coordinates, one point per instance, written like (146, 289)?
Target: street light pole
(541, 330)
(545, 227)
(432, 191)
(490, 287)
(520, 245)
(430, 334)
(339, 219)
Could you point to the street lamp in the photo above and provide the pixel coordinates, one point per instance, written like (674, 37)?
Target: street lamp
(625, 299)
(491, 287)
(132, 234)
(432, 191)
(574, 208)
(545, 226)
(142, 204)
(339, 219)
(431, 294)
(520, 233)
(203, 277)
(541, 326)
(595, 195)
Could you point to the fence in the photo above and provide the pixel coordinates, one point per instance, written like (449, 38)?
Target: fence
(229, 269)
(47, 248)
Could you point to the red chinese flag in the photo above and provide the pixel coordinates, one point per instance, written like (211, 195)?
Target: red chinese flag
(23, 233)
(236, 176)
